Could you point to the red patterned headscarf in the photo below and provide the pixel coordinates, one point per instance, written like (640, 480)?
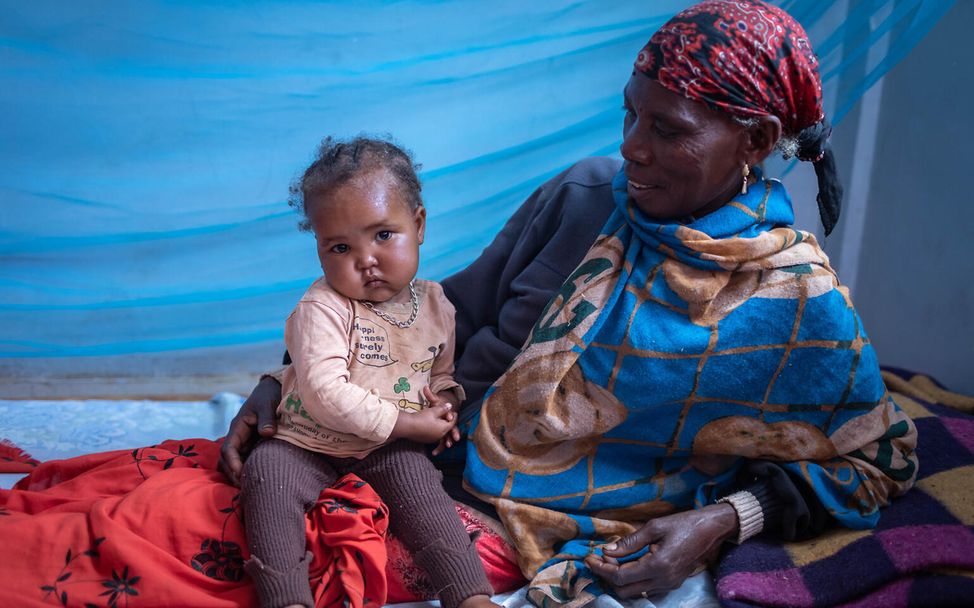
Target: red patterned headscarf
(748, 58)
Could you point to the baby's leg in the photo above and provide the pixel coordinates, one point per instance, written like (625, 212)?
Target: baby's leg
(280, 483)
(424, 518)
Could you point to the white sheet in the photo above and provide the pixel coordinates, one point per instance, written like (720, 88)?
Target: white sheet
(51, 430)
(697, 592)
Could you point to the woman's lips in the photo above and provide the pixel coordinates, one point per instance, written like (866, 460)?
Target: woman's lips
(642, 193)
(639, 186)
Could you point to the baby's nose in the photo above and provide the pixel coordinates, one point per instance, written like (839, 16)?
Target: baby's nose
(367, 261)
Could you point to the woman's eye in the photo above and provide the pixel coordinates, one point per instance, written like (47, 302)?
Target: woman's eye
(383, 235)
(339, 248)
(663, 131)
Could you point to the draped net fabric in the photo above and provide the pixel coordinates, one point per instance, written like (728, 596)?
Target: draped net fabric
(147, 147)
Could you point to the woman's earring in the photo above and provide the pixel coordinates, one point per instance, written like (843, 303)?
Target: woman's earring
(745, 172)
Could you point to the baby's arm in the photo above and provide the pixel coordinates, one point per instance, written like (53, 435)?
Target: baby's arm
(442, 382)
(316, 335)
(443, 388)
(428, 425)
(438, 420)
(438, 402)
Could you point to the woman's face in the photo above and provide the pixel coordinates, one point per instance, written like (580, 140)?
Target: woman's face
(681, 157)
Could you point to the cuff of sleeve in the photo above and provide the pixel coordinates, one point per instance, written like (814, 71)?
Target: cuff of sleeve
(277, 374)
(750, 516)
(459, 392)
(448, 385)
(772, 505)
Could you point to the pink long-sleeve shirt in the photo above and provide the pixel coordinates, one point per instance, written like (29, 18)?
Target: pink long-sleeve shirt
(352, 371)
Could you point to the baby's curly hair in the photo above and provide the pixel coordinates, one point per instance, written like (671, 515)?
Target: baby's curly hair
(338, 161)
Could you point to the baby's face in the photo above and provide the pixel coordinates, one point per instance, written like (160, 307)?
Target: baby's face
(368, 237)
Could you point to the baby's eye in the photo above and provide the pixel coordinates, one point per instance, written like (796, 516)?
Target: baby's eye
(339, 248)
(383, 235)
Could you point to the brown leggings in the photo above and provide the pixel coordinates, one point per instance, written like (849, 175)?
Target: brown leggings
(281, 482)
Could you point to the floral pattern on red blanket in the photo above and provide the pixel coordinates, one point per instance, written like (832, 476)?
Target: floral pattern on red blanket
(160, 526)
(219, 558)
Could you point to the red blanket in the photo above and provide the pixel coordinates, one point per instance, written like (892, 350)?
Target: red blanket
(159, 524)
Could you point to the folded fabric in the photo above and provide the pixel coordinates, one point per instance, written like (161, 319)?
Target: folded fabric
(920, 554)
(15, 460)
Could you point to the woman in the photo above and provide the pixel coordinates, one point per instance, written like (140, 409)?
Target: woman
(700, 375)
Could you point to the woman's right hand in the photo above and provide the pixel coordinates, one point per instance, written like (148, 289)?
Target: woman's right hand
(679, 544)
(260, 411)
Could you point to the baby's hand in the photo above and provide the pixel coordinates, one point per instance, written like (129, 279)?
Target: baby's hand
(451, 438)
(427, 425)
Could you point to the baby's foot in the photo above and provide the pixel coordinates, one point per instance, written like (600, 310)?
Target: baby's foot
(478, 601)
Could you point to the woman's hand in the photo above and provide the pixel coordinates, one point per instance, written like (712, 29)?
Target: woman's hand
(428, 425)
(678, 545)
(260, 411)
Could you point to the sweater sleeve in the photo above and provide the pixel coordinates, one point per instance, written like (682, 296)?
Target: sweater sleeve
(316, 335)
(791, 509)
(794, 509)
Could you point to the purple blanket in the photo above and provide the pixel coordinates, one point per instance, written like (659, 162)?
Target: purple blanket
(920, 554)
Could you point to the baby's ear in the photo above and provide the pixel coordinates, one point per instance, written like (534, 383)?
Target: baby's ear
(419, 216)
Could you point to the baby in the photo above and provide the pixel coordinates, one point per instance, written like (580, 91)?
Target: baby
(371, 380)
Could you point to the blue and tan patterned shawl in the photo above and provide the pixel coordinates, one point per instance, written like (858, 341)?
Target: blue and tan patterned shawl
(672, 354)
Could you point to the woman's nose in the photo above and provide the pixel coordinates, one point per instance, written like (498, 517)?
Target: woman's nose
(635, 147)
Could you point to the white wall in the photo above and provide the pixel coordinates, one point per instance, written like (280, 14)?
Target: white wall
(913, 269)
